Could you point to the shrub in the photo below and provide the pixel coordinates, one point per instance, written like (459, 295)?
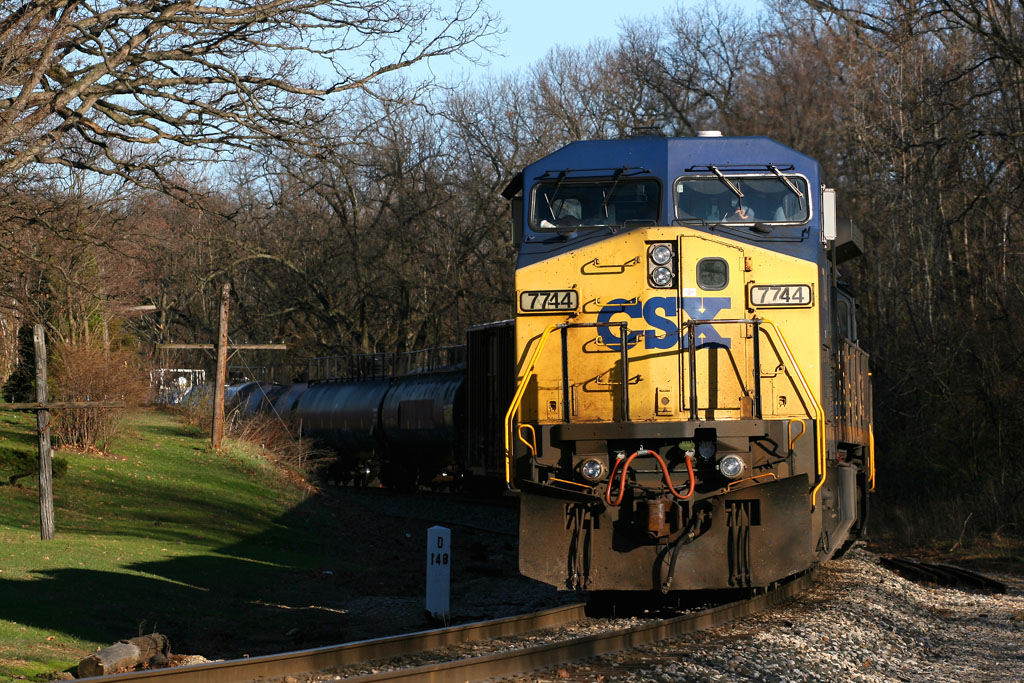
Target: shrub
(85, 372)
(196, 410)
(299, 459)
(272, 439)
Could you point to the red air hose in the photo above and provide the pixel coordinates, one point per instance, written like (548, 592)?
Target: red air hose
(664, 470)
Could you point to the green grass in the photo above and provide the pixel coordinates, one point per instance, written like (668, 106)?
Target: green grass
(162, 535)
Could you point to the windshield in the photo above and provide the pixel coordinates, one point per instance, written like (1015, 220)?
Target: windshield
(610, 202)
(765, 199)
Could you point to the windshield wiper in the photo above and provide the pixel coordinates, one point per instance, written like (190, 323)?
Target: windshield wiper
(548, 200)
(727, 182)
(611, 190)
(789, 183)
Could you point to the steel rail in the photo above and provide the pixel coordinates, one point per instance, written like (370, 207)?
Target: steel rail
(334, 656)
(554, 654)
(476, 668)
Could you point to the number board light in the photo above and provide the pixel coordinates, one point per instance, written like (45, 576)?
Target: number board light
(549, 301)
(781, 296)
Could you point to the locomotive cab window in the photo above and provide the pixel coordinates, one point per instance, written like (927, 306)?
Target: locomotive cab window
(605, 202)
(780, 200)
(845, 321)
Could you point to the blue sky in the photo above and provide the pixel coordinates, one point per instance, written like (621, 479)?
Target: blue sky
(536, 26)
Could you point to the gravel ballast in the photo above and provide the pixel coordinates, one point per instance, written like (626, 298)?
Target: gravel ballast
(860, 622)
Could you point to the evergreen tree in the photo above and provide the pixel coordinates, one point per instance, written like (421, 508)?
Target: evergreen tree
(20, 386)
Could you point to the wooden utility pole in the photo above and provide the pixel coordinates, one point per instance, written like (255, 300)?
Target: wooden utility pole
(43, 426)
(222, 347)
(222, 369)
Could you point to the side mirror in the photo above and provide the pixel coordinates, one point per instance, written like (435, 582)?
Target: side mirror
(849, 240)
(517, 221)
(828, 214)
(514, 193)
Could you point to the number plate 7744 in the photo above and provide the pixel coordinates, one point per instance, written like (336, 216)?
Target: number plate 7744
(547, 300)
(780, 296)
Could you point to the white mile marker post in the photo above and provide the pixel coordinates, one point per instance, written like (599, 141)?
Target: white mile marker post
(439, 573)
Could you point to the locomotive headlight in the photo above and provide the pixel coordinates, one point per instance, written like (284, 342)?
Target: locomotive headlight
(591, 469)
(660, 265)
(661, 277)
(661, 254)
(731, 466)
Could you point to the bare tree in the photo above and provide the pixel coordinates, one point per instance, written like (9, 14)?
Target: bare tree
(127, 88)
(920, 109)
(400, 251)
(670, 75)
(69, 253)
(689, 65)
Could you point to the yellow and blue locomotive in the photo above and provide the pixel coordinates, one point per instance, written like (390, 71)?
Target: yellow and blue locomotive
(692, 410)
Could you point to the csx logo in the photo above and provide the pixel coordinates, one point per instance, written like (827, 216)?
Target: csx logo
(660, 313)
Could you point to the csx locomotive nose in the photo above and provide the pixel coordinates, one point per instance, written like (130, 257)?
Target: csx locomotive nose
(670, 367)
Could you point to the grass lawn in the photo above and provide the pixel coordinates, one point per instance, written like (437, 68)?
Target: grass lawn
(162, 535)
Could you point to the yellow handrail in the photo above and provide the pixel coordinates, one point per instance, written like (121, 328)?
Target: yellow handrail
(820, 456)
(871, 455)
(533, 433)
(789, 431)
(518, 397)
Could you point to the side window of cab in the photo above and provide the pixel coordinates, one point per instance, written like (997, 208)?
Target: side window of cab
(845, 320)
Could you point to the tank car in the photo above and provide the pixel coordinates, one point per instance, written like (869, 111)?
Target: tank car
(422, 418)
(284, 401)
(238, 396)
(260, 398)
(692, 410)
(396, 419)
(345, 417)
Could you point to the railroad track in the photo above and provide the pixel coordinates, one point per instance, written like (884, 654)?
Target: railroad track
(504, 663)
(942, 574)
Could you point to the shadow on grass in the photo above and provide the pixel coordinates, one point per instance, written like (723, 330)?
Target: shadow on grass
(244, 582)
(17, 432)
(170, 429)
(29, 442)
(251, 597)
(165, 512)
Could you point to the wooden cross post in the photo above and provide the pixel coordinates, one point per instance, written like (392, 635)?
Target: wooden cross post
(222, 347)
(42, 409)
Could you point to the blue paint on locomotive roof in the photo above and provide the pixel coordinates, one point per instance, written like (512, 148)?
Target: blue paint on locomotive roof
(668, 159)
